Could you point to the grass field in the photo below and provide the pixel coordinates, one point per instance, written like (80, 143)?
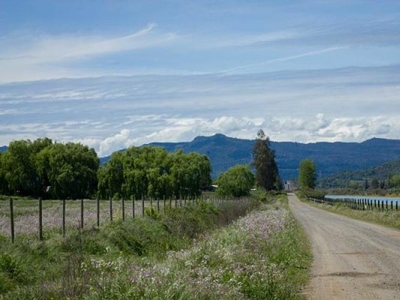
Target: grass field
(192, 252)
(26, 213)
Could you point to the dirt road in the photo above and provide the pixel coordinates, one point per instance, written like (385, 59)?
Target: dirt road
(352, 259)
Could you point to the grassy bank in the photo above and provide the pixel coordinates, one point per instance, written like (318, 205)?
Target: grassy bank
(386, 218)
(181, 255)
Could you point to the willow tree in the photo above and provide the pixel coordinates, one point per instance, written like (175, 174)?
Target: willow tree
(267, 174)
(236, 181)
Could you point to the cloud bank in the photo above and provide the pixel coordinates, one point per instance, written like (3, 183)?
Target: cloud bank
(110, 113)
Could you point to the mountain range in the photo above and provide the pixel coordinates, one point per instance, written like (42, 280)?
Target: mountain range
(330, 158)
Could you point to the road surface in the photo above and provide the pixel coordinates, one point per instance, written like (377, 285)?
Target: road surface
(352, 259)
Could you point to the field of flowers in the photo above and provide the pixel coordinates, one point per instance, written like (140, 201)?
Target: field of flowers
(26, 214)
(263, 255)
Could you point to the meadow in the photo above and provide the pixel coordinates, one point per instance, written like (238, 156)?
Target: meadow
(236, 250)
(26, 213)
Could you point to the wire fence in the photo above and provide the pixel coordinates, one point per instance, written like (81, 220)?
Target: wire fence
(21, 217)
(361, 203)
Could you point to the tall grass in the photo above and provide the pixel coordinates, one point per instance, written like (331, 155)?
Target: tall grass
(179, 255)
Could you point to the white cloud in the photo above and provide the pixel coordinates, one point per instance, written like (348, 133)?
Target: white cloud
(44, 49)
(111, 113)
(285, 58)
(242, 40)
(30, 57)
(119, 141)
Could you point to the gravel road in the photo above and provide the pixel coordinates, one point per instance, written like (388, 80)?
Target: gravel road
(352, 259)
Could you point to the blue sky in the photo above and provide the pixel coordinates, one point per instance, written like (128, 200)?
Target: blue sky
(112, 74)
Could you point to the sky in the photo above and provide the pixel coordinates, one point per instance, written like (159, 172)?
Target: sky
(115, 74)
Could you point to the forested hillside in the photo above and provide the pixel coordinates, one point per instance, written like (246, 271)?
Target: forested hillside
(383, 173)
(330, 158)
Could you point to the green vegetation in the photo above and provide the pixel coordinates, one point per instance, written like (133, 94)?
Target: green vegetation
(386, 177)
(236, 182)
(153, 172)
(44, 169)
(307, 174)
(263, 255)
(71, 171)
(267, 174)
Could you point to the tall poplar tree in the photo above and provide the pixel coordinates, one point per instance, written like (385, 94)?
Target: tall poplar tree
(267, 174)
(307, 174)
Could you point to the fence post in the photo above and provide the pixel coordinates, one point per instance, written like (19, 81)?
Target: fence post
(111, 210)
(63, 217)
(98, 211)
(12, 220)
(142, 206)
(133, 206)
(165, 202)
(82, 215)
(123, 209)
(40, 219)
(158, 204)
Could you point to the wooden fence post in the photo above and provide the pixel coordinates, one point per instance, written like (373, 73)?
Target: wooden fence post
(111, 210)
(12, 220)
(142, 206)
(158, 204)
(82, 214)
(165, 203)
(123, 209)
(133, 206)
(40, 219)
(63, 218)
(98, 211)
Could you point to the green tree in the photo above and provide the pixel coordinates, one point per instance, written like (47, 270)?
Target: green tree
(71, 170)
(236, 181)
(307, 174)
(374, 183)
(19, 168)
(353, 184)
(3, 182)
(267, 174)
(395, 181)
(153, 172)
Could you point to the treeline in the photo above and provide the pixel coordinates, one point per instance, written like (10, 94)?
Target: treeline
(46, 169)
(385, 176)
(155, 173)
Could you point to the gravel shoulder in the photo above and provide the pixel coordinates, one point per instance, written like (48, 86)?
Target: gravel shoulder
(352, 259)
